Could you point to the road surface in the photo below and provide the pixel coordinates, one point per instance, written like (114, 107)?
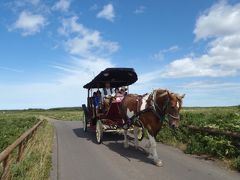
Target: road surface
(76, 155)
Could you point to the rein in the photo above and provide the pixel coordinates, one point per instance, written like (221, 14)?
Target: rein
(154, 108)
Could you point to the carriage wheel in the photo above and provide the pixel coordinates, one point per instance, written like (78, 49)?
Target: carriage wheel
(99, 131)
(140, 134)
(84, 121)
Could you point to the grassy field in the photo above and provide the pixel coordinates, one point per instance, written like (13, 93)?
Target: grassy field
(37, 159)
(221, 147)
(12, 126)
(14, 123)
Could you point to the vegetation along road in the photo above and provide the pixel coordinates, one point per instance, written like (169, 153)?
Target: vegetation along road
(77, 156)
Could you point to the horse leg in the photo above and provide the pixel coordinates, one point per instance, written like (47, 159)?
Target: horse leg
(126, 145)
(153, 147)
(135, 130)
(147, 146)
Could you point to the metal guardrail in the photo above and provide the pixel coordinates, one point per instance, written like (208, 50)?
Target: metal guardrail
(21, 142)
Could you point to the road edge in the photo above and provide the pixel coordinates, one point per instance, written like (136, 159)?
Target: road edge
(54, 171)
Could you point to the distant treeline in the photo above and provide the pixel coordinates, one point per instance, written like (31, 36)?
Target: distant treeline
(66, 109)
(50, 109)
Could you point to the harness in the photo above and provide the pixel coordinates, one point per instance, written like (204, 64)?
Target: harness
(154, 108)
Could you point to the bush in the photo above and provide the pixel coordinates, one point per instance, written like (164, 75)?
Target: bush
(227, 118)
(236, 163)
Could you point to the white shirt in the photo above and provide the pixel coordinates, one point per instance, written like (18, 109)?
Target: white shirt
(107, 92)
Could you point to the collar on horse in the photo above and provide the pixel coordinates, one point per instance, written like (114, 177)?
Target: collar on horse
(157, 111)
(160, 113)
(154, 108)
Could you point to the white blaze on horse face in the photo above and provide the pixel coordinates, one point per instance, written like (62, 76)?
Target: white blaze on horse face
(178, 105)
(144, 102)
(130, 113)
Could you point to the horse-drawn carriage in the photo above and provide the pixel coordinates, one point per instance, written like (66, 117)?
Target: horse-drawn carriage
(109, 114)
(101, 117)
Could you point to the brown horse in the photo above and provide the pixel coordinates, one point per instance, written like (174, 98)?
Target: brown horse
(150, 110)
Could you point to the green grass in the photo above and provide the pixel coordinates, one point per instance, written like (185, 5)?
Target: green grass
(36, 163)
(15, 122)
(12, 126)
(221, 147)
(68, 114)
(223, 118)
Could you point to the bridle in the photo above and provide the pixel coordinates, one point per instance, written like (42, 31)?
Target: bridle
(155, 109)
(162, 111)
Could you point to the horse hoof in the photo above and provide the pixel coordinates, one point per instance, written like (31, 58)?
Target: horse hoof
(158, 163)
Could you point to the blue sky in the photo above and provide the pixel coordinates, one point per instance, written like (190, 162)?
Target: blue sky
(50, 49)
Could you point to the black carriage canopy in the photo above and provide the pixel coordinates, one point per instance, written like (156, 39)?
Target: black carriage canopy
(117, 77)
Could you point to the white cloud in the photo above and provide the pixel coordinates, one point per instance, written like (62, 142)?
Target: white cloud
(161, 54)
(62, 5)
(71, 25)
(219, 24)
(40, 95)
(66, 90)
(140, 10)
(82, 70)
(211, 85)
(85, 61)
(85, 42)
(29, 23)
(150, 76)
(34, 2)
(107, 13)
(221, 19)
(10, 69)
(211, 93)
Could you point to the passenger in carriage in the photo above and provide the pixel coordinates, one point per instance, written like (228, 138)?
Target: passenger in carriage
(106, 99)
(118, 95)
(94, 104)
(107, 91)
(123, 90)
(98, 102)
(97, 98)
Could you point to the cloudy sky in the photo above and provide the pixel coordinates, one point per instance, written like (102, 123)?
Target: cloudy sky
(51, 48)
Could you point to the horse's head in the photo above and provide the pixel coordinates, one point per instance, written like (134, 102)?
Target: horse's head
(169, 104)
(173, 109)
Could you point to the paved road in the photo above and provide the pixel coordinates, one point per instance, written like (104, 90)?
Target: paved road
(77, 156)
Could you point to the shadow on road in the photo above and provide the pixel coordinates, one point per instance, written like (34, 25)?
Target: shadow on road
(114, 142)
(90, 135)
(130, 152)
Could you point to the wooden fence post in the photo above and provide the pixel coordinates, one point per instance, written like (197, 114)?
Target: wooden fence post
(6, 167)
